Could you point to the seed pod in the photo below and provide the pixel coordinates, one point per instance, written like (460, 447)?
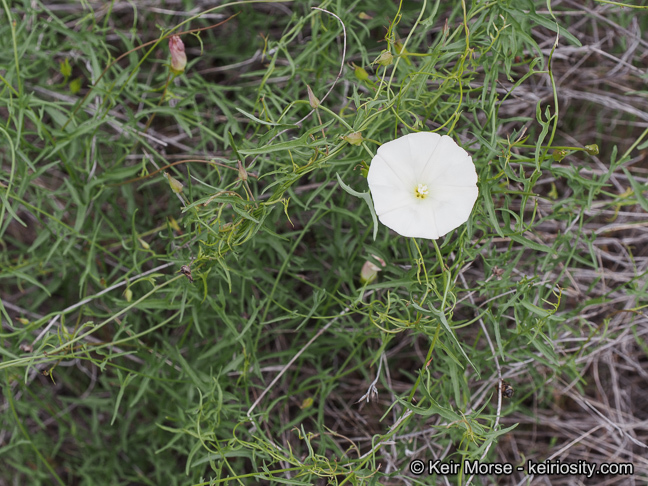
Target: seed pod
(592, 149)
(385, 59)
(559, 154)
(354, 138)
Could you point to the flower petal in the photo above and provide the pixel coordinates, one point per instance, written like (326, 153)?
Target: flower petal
(397, 156)
(414, 221)
(452, 206)
(423, 145)
(384, 172)
(446, 154)
(387, 198)
(456, 173)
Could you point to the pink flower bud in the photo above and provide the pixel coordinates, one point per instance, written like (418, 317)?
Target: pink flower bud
(178, 56)
(369, 271)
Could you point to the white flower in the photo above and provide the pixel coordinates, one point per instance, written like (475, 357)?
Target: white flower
(423, 185)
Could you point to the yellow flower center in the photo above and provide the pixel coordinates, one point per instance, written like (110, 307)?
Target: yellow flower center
(421, 191)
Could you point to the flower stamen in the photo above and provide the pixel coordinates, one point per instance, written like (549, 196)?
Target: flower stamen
(421, 191)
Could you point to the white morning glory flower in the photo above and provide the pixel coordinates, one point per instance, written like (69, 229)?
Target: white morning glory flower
(423, 185)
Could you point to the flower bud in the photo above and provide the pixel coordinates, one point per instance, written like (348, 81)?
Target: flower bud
(176, 185)
(553, 193)
(243, 175)
(178, 56)
(592, 149)
(312, 99)
(174, 224)
(144, 244)
(360, 73)
(369, 271)
(354, 138)
(307, 403)
(65, 68)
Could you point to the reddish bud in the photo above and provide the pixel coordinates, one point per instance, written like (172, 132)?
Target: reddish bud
(178, 56)
(369, 271)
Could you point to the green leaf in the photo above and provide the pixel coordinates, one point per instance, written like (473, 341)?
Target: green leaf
(638, 190)
(366, 197)
(303, 141)
(123, 384)
(262, 122)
